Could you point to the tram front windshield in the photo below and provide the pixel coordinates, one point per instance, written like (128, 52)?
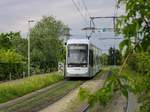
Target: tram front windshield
(77, 55)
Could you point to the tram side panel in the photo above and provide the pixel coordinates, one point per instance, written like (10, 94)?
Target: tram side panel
(94, 61)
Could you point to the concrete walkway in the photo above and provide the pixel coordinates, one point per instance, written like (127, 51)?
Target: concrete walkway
(132, 103)
(64, 104)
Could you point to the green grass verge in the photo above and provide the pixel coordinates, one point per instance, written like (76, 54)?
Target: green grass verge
(44, 99)
(17, 88)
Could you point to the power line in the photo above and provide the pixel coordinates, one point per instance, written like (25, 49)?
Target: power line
(78, 9)
(86, 8)
(85, 20)
(116, 8)
(109, 38)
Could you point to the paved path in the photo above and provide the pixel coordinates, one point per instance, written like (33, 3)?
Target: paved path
(63, 104)
(132, 103)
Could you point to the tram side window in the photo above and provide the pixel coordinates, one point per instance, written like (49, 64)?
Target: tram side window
(91, 58)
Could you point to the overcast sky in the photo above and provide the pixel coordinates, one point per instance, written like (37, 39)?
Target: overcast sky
(14, 15)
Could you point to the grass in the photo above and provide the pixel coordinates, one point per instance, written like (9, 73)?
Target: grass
(18, 88)
(44, 99)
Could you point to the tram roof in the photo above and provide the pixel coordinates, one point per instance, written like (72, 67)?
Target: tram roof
(78, 41)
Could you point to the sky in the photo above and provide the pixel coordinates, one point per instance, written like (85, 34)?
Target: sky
(14, 15)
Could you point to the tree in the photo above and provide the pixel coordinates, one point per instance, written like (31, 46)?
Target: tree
(104, 59)
(12, 59)
(13, 40)
(11, 62)
(135, 27)
(114, 57)
(46, 46)
(111, 56)
(5, 40)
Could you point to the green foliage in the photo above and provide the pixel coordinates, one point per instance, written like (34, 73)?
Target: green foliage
(84, 93)
(14, 41)
(17, 88)
(135, 24)
(102, 96)
(113, 84)
(10, 63)
(104, 59)
(145, 103)
(12, 59)
(10, 56)
(135, 27)
(9, 40)
(143, 63)
(46, 47)
(114, 57)
(140, 86)
(140, 62)
(125, 46)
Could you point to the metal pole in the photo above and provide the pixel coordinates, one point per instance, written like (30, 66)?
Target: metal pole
(29, 46)
(28, 49)
(10, 76)
(114, 56)
(114, 24)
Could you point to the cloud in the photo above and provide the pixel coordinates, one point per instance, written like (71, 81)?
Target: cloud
(14, 14)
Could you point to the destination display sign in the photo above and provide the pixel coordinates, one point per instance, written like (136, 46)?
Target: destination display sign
(77, 46)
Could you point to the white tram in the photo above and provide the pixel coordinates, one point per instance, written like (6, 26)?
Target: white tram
(82, 58)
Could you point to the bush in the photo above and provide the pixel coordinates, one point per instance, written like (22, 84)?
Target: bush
(11, 62)
(15, 69)
(140, 62)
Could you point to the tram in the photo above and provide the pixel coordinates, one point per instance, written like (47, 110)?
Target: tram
(82, 58)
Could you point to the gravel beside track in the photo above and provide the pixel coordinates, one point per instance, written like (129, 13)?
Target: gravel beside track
(69, 103)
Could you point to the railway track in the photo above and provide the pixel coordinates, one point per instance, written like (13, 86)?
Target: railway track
(40, 99)
(85, 109)
(121, 102)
